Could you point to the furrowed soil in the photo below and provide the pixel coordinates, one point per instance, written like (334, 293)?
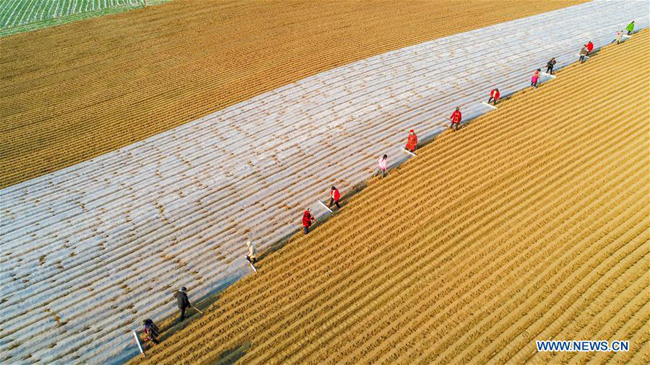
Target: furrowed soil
(72, 92)
(530, 223)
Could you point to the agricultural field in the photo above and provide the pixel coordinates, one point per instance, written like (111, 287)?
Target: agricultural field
(531, 222)
(91, 87)
(23, 15)
(91, 250)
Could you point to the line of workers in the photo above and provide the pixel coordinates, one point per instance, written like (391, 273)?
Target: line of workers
(456, 118)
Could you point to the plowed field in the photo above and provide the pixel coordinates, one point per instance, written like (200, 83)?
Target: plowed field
(530, 223)
(73, 92)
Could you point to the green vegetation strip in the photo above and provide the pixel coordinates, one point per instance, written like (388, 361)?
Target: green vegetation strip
(18, 16)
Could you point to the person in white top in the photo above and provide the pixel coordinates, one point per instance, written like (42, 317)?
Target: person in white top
(382, 166)
(252, 253)
(619, 37)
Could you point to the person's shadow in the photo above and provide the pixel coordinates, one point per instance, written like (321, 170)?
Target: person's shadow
(232, 355)
(171, 326)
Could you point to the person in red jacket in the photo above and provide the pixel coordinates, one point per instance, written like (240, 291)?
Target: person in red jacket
(412, 142)
(456, 118)
(590, 47)
(307, 218)
(334, 197)
(494, 95)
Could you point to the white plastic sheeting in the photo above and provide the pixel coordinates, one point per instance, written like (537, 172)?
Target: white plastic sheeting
(90, 251)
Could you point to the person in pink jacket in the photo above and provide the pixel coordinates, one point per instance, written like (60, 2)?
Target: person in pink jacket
(382, 166)
(535, 79)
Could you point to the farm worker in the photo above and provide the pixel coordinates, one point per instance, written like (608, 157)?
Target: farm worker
(182, 301)
(307, 219)
(584, 52)
(382, 166)
(630, 28)
(456, 118)
(619, 36)
(252, 252)
(334, 197)
(494, 95)
(150, 331)
(412, 141)
(535, 78)
(549, 66)
(590, 47)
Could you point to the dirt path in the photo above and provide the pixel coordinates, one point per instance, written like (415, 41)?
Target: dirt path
(530, 223)
(73, 92)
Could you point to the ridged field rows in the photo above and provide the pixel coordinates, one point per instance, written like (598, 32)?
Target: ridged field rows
(475, 223)
(386, 275)
(91, 87)
(530, 223)
(186, 197)
(19, 12)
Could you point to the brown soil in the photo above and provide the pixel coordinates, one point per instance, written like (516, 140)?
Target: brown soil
(530, 223)
(72, 92)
